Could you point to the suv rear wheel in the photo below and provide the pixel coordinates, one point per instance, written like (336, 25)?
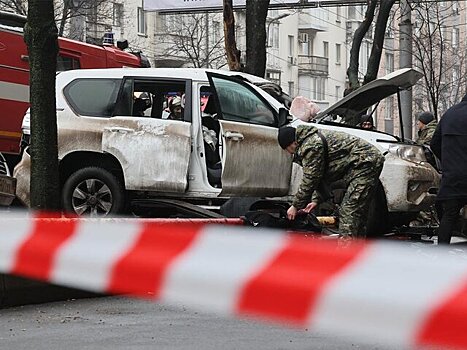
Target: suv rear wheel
(93, 191)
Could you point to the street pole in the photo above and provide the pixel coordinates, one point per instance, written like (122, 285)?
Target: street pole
(206, 50)
(405, 61)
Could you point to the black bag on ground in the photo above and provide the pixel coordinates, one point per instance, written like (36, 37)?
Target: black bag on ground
(303, 222)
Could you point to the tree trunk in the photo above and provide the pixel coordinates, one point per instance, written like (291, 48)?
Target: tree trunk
(378, 40)
(352, 70)
(231, 50)
(40, 35)
(256, 13)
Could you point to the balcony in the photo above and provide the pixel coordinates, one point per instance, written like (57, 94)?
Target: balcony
(313, 20)
(313, 65)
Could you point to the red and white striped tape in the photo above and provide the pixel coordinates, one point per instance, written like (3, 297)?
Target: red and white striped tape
(381, 291)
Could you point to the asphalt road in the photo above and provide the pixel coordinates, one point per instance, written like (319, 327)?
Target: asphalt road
(121, 323)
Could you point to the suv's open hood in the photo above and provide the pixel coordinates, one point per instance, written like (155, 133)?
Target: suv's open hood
(364, 97)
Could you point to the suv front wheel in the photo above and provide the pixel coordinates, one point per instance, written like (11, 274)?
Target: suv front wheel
(93, 191)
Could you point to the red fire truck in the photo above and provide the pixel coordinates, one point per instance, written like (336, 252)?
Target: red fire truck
(14, 72)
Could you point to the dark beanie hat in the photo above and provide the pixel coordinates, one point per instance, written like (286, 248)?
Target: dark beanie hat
(286, 136)
(366, 118)
(426, 117)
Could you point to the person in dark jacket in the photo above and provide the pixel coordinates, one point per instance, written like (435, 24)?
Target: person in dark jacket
(328, 156)
(449, 144)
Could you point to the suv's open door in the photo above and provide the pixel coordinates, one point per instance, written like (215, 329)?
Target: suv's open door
(253, 164)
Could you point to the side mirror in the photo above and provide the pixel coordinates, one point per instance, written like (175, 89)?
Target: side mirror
(284, 117)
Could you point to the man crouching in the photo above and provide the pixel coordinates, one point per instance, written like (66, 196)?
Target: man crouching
(327, 156)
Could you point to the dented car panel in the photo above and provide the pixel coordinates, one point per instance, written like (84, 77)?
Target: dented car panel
(253, 162)
(408, 186)
(79, 133)
(153, 153)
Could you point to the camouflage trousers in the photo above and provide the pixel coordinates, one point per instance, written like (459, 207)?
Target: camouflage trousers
(355, 204)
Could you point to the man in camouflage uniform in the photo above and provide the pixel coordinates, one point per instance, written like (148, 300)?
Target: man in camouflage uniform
(426, 124)
(349, 158)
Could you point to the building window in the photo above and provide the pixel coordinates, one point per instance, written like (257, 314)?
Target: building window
(305, 44)
(117, 14)
(142, 21)
(455, 74)
(390, 31)
(291, 45)
(274, 77)
(444, 33)
(352, 14)
(389, 63)
(273, 35)
(338, 14)
(291, 89)
(216, 31)
(338, 53)
(319, 88)
(455, 37)
(389, 116)
(338, 92)
(273, 13)
(325, 49)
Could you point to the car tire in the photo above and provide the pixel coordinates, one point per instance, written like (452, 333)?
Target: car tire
(93, 191)
(378, 219)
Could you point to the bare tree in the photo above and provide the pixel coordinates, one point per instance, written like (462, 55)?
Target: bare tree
(74, 15)
(378, 40)
(440, 53)
(232, 52)
(16, 6)
(384, 9)
(41, 37)
(360, 32)
(93, 12)
(195, 39)
(256, 14)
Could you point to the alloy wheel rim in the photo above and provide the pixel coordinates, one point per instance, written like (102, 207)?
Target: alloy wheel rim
(92, 197)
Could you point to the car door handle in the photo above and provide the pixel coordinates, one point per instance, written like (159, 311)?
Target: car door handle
(120, 130)
(234, 135)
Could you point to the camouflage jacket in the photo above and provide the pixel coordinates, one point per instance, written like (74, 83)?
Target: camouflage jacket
(344, 153)
(425, 135)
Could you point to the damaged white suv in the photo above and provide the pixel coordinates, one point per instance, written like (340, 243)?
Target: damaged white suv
(118, 138)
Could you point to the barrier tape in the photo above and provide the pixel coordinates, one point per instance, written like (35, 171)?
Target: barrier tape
(366, 291)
